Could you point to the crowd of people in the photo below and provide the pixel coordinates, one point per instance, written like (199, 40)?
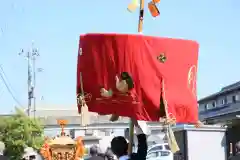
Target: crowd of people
(118, 150)
(120, 147)
(29, 153)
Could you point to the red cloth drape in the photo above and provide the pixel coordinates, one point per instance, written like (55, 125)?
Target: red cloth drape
(106, 55)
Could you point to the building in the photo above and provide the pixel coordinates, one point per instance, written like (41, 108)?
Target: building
(99, 126)
(50, 114)
(222, 107)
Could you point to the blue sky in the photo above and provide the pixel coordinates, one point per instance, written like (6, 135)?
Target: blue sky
(55, 27)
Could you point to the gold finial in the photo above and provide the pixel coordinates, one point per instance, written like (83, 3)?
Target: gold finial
(62, 123)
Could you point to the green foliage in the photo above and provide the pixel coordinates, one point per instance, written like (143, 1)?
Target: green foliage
(19, 131)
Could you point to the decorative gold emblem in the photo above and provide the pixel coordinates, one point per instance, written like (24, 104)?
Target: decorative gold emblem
(162, 58)
(192, 79)
(80, 51)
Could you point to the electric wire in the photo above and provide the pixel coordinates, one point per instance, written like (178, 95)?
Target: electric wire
(1, 90)
(2, 74)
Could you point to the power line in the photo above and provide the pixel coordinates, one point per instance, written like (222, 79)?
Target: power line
(7, 86)
(6, 78)
(1, 90)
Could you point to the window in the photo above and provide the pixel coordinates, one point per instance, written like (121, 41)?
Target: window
(214, 104)
(155, 154)
(201, 108)
(157, 148)
(152, 155)
(206, 107)
(224, 101)
(163, 153)
(234, 98)
(167, 147)
(219, 102)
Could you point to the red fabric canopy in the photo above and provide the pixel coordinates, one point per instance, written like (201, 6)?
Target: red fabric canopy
(159, 67)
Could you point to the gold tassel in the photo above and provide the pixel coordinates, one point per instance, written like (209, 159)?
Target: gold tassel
(84, 107)
(81, 100)
(84, 115)
(84, 110)
(172, 140)
(169, 122)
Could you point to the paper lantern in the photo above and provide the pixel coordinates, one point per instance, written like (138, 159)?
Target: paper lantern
(152, 6)
(153, 9)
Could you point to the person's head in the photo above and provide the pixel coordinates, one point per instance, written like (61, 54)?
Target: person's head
(32, 157)
(119, 146)
(94, 150)
(2, 148)
(29, 153)
(237, 146)
(109, 154)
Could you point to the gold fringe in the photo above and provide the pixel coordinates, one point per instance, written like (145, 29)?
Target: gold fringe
(81, 100)
(169, 122)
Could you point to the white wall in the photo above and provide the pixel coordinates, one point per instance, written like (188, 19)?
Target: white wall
(206, 145)
(79, 133)
(54, 133)
(118, 132)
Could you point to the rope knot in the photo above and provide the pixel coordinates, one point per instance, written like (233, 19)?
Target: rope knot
(82, 99)
(170, 119)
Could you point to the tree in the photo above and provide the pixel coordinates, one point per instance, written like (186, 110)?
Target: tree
(19, 131)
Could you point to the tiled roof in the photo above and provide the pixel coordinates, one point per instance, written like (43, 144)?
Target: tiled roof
(49, 115)
(75, 120)
(56, 110)
(228, 109)
(231, 86)
(224, 90)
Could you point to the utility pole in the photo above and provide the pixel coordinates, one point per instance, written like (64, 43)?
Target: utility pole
(31, 74)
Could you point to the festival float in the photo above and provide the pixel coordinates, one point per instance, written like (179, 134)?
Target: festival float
(141, 77)
(137, 76)
(62, 146)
